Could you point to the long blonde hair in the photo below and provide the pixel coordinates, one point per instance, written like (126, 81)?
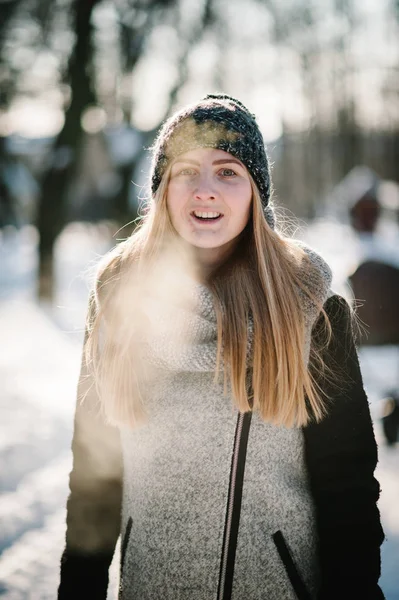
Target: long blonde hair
(262, 283)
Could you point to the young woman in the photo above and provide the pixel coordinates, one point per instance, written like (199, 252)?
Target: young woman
(221, 427)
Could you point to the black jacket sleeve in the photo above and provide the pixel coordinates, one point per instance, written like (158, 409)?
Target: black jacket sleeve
(341, 455)
(94, 503)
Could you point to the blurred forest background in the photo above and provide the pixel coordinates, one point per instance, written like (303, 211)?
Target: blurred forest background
(84, 85)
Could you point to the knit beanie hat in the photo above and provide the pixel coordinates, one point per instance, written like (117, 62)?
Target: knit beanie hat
(217, 121)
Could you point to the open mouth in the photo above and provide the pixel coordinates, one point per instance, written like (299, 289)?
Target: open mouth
(206, 217)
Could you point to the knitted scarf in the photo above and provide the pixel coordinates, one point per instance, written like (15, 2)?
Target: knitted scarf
(182, 328)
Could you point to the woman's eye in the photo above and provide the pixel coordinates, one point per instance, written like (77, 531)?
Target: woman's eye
(186, 171)
(227, 172)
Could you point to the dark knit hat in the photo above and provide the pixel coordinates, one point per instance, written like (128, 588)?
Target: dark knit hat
(217, 121)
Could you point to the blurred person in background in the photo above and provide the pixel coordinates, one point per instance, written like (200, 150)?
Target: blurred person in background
(375, 287)
(374, 242)
(365, 213)
(221, 426)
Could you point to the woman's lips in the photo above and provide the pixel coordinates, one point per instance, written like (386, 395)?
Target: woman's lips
(205, 219)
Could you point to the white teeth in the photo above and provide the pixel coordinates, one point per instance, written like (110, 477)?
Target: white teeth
(206, 215)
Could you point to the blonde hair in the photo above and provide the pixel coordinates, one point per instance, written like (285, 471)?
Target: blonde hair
(261, 284)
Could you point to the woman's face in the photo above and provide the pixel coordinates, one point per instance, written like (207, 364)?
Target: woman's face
(209, 201)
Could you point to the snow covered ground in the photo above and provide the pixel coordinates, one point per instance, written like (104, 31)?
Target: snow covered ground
(39, 362)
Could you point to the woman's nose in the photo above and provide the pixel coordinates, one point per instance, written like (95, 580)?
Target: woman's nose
(205, 189)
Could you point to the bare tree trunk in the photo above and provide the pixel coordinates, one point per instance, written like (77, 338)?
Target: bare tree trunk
(8, 9)
(190, 43)
(52, 210)
(347, 127)
(131, 47)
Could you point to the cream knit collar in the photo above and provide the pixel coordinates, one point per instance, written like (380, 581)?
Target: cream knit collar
(182, 331)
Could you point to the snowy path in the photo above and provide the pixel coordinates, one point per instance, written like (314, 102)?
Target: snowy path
(38, 369)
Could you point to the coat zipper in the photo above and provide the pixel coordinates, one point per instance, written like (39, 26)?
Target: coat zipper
(233, 506)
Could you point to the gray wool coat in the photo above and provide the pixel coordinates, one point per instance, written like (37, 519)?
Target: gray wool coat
(213, 504)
